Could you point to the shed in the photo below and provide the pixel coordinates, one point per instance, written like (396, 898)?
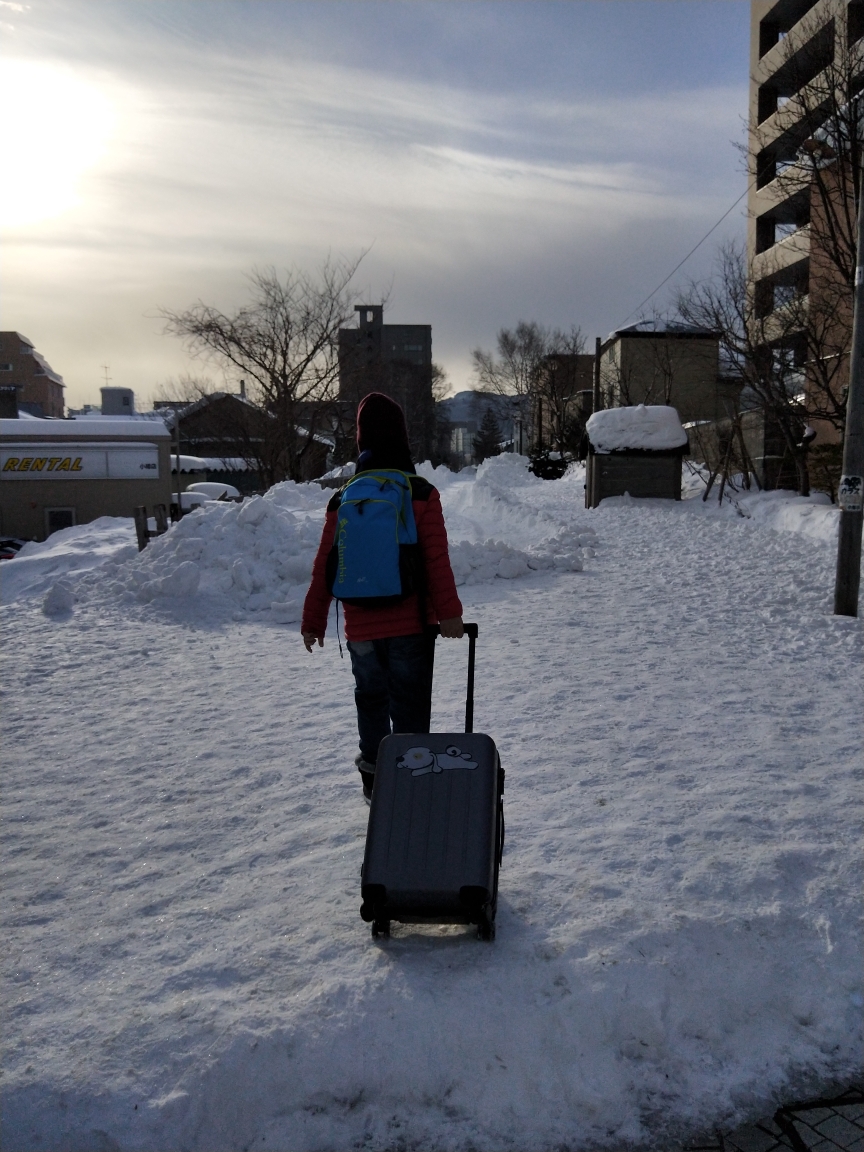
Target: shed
(637, 450)
(57, 473)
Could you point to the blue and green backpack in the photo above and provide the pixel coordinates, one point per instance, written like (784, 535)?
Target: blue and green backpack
(376, 559)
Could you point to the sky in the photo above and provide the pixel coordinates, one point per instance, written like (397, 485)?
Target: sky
(548, 161)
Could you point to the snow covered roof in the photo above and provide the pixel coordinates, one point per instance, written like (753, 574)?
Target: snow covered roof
(659, 328)
(169, 409)
(189, 463)
(115, 427)
(209, 463)
(225, 463)
(651, 427)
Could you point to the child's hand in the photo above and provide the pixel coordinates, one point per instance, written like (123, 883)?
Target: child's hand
(450, 629)
(309, 639)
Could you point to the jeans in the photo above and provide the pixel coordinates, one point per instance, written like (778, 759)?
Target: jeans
(393, 682)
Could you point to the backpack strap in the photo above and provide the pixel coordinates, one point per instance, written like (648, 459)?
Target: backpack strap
(336, 499)
(421, 490)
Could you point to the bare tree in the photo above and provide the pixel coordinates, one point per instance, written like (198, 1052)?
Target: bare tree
(761, 351)
(650, 378)
(185, 389)
(557, 393)
(520, 368)
(440, 383)
(514, 372)
(284, 345)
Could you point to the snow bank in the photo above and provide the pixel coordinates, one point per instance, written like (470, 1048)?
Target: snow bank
(257, 556)
(441, 476)
(503, 522)
(340, 472)
(780, 510)
(652, 426)
(86, 546)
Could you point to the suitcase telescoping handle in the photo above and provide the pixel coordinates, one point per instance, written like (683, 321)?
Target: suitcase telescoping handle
(471, 632)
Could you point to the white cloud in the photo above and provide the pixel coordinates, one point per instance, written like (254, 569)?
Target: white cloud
(183, 171)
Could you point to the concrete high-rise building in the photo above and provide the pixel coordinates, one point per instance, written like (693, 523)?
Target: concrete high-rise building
(395, 359)
(806, 76)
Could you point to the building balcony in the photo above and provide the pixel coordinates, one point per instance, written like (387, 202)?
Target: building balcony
(781, 257)
(790, 183)
(785, 130)
(795, 39)
(778, 328)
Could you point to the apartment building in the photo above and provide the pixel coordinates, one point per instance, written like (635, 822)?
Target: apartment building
(392, 358)
(806, 76)
(38, 388)
(666, 363)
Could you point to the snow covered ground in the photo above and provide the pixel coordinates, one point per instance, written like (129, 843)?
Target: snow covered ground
(679, 715)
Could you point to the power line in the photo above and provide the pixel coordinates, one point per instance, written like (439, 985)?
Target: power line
(713, 227)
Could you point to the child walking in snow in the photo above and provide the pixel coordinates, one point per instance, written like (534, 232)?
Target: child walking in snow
(391, 653)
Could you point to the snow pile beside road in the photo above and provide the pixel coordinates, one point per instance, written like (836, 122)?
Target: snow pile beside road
(499, 498)
(86, 546)
(503, 523)
(480, 563)
(814, 516)
(652, 426)
(257, 556)
(780, 510)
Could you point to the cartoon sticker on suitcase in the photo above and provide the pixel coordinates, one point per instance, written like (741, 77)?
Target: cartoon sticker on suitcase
(422, 760)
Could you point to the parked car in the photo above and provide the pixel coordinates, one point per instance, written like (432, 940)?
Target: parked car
(190, 500)
(216, 490)
(10, 546)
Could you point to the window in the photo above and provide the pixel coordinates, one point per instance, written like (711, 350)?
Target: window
(855, 21)
(58, 518)
(5, 367)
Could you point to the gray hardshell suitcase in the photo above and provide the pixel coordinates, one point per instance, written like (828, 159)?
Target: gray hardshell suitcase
(436, 827)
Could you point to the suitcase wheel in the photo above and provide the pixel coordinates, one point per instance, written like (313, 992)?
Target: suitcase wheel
(380, 928)
(486, 924)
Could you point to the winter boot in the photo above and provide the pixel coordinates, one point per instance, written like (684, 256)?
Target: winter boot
(367, 774)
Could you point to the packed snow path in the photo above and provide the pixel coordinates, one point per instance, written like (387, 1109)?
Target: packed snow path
(678, 939)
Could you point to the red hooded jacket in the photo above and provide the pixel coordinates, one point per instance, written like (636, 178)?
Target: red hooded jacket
(403, 619)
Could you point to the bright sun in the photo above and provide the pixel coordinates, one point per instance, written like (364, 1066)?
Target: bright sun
(57, 127)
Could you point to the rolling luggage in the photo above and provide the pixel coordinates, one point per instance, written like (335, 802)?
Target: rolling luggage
(436, 827)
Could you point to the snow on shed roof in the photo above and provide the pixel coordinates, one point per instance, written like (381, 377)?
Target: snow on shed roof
(652, 427)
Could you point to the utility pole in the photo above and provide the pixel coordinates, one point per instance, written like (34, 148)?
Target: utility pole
(851, 482)
(595, 407)
(177, 444)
